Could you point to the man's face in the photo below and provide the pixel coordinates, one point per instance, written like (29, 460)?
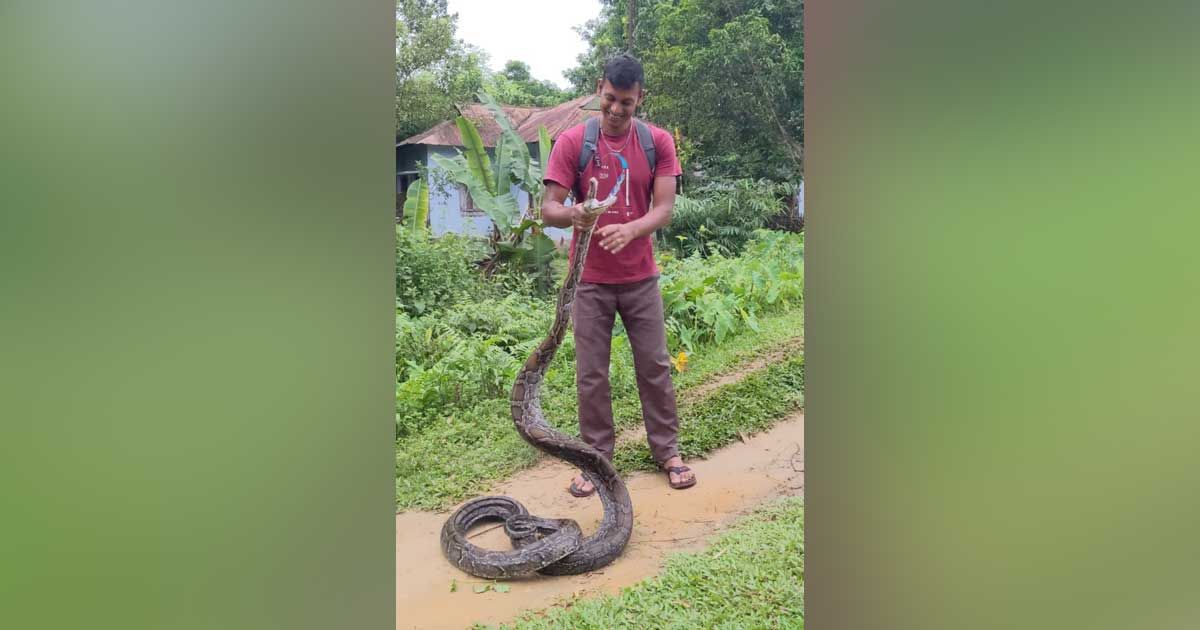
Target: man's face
(618, 105)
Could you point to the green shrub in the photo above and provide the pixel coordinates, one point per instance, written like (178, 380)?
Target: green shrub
(707, 299)
(431, 273)
(461, 451)
(508, 323)
(514, 317)
(721, 217)
(420, 342)
(472, 370)
(460, 356)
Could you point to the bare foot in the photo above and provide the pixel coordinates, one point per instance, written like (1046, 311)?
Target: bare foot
(681, 479)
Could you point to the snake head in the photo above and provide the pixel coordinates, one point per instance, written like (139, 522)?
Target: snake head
(591, 205)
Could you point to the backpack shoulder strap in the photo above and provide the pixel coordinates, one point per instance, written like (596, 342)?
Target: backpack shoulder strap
(647, 142)
(591, 133)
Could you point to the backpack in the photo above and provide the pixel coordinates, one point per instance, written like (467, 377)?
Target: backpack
(591, 134)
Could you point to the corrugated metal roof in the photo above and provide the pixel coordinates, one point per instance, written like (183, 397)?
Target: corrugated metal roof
(559, 118)
(525, 120)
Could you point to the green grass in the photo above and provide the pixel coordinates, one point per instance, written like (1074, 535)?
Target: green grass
(749, 405)
(463, 454)
(752, 576)
(710, 362)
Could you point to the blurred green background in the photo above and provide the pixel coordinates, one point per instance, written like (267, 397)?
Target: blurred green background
(197, 293)
(1002, 305)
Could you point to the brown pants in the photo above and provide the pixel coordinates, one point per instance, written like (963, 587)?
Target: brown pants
(641, 308)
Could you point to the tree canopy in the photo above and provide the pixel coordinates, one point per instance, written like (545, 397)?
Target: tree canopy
(434, 70)
(727, 73)
(514, 85)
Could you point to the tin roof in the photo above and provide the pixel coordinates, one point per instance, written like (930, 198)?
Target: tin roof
(525, 120)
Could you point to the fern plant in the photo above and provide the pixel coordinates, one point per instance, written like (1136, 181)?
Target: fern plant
(720, 218)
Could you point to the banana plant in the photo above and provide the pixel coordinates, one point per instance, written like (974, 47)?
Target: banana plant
(512, 154)
(490, 179)
(473, 169)
(529, 244)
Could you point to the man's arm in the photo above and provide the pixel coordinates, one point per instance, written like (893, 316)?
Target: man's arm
(616, 236)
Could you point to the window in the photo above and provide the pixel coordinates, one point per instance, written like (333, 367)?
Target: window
(466, 204)
(404, 179)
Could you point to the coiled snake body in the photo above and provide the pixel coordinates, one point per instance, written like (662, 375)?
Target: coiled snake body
(541, 545)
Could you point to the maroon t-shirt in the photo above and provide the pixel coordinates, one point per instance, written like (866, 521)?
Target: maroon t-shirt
(636, 260)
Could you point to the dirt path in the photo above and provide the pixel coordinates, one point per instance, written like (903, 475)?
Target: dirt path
(732, 482)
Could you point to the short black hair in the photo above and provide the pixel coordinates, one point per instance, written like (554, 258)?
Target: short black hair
(623, 71)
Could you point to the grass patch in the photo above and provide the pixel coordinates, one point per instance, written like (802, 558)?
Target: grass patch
(752, 576)
(711, 362)
(747, 406)
(466, 344)
(463, 454)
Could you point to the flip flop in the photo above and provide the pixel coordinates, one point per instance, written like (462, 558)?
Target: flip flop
(576, 491)
(679, 470)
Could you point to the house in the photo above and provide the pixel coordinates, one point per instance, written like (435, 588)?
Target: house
(451, 209)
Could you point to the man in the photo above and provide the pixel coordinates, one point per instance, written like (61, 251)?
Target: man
(620, 275)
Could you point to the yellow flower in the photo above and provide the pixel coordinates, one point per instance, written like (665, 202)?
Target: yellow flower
(680, 362)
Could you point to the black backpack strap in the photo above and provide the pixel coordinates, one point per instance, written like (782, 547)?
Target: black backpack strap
(591, 134)
(647, 142)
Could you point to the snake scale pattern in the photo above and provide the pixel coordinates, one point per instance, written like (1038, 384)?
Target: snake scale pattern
(542, 545)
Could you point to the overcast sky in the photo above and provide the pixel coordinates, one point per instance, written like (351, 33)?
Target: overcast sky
(538, 32)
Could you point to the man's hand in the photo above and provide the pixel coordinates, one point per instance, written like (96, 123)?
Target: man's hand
(582, 218)
(581, 215)
(615, 236)
(584, 214)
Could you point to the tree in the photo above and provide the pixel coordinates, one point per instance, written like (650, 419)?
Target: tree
(434, 70)
(727, 73)
(622, 26)
(734, 82)
(514, 85)
(602, 43)
(517, 71)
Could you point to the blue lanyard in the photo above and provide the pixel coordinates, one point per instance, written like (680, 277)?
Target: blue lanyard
(624, 169)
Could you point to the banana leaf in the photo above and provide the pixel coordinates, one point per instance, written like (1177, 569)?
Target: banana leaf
(537, 168)
(497, 111)
(476, 154)
(511, 147)
(534, 254)
(543, 150)
(416, 206)
(543, 248)
(502, 208)
(503, 165)
(527, 224)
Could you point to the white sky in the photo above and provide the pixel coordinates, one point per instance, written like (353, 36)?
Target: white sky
(537, 32)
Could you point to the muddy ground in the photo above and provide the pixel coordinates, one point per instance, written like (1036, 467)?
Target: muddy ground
(732, 482)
